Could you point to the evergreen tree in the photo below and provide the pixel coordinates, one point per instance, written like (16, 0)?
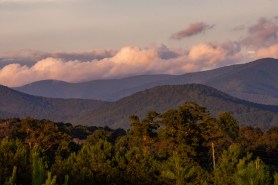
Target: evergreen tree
(66, 181)
(182, 131)
(143, 133)
(37, 169)
(275, 176)
(50, 180)
(13, 153)
(227, 166)
(252, 172)
(11, 180)
(228, 124)
(181, 171)
(140, 167)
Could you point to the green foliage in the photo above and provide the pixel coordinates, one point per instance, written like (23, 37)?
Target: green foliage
(185, 130)
(163, 98)
(50, 180)
(250, 137)
(226, 166)
(167, 148)
(13, 153)
(66, 181)
(37, 169)
(275, 178)
(140, 166)
(270, 140)
(252, 172)
(91, 165)
(228, 124)
(11, 180)
(96, 136)
(181, 170)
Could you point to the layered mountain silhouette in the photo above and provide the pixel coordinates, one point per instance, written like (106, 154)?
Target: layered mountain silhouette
(108, 90)
(161, 98)
(255, 81)
(17, 104)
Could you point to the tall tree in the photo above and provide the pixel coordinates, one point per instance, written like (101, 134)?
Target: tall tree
(252, 172)
(182, 131)
(37, 169)
(11, 180)
(227, 166)
(228, 124)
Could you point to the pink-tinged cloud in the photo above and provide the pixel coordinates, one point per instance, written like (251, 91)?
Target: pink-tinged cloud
(215, 54)
(127, 61)
(30, 57)
(271, 51)
(193, 29)
(263, 34)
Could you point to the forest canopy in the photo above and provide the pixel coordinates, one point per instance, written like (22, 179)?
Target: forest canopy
(185, 145)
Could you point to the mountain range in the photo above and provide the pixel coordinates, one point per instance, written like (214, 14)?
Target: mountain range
(255, 81)
(115, 114)
(17, 104)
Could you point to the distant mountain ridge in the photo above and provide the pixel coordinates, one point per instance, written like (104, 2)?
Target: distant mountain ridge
(108, 90)
(17, 104)
(255, 81)
(115, 114)
(163, 98)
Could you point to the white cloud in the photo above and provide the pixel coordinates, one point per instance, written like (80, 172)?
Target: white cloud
(126, 62)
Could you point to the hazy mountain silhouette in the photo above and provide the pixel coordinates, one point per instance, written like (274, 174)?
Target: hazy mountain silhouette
(17, 104)
(108, 90)
(161, 98)
(255, 81)
(164, 97)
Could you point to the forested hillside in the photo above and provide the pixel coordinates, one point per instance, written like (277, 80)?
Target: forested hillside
(162, 98)
(178, 146)
(115, 114)
(16, 104)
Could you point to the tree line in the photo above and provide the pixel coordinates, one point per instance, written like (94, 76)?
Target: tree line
(185, 145)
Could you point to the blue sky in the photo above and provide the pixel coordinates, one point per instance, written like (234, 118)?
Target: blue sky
(98, 39)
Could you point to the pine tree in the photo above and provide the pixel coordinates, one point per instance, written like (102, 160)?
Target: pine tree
(11, 180)
(275, 179)
(66, 182)
(37, 169)
(226, 166)
(228, 124)
(180, 170)
(252, 173)
(50, 180)
(13, 153)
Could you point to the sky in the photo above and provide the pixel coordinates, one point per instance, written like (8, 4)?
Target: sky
(82, 40)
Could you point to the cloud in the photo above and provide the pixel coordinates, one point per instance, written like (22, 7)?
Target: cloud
(193, 29)
(30, 57)
(83, 56)
(127, 61)
(263, 34)
(271, 51)
(212, 55)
